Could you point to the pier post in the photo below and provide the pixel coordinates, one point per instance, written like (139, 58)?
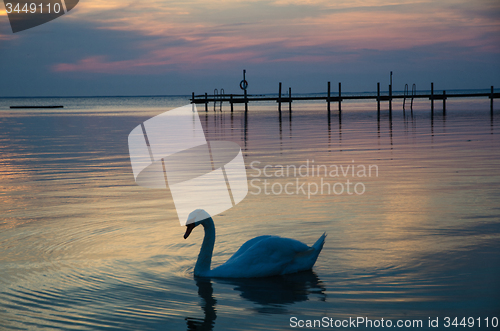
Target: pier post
(444, 102)
(290, 99)
(231, 101)
(378, 98)
(206, 101)
(390, 98)
(328, 97)
(216, 94)
(279, 98)
(222, 96)
(432, 98)
(491, 101)
(340, 97)
(246, 100)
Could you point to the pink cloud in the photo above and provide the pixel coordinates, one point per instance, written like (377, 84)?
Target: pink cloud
(98, 64)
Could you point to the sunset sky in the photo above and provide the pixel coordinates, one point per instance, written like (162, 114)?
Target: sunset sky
(123, 47)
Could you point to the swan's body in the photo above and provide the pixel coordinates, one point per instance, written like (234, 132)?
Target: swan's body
(259, 257)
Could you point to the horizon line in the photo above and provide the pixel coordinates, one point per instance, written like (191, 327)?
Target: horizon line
(189, 95)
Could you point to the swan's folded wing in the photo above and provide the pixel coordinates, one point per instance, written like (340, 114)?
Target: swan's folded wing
(266, 256)
(247, 245)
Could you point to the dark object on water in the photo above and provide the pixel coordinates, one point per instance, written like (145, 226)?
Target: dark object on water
(36, 107)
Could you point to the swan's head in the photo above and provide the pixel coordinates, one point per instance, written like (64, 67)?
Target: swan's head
(194, 219)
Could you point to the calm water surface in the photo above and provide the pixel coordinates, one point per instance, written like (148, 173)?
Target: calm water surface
(83, 247)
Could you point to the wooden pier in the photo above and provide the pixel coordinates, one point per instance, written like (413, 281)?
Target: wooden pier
(329, 98)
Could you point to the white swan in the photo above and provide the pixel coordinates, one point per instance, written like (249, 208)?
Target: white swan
(259, 257)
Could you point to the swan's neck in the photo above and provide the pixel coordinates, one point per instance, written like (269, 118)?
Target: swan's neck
(205, 257)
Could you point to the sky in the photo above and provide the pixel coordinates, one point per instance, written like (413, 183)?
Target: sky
(155, 47)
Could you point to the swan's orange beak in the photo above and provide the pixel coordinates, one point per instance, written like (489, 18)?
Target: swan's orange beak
(189, 228)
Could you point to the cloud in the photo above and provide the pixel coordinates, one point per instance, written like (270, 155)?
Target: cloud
(188, 35)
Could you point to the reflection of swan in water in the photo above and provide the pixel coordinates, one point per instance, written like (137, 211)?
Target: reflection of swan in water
(262, 256)
(205, 291)
(270, 293)
(273, 293)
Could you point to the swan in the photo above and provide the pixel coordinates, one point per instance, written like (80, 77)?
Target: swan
(261, 256)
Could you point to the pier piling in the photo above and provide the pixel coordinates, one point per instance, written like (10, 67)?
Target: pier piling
(491, 101)
(390, 98)
(246, 100)
(378, 98)
(328, 97)
(432, 98)
(444, 102)
(279, 98)
(340, 97)
(216, 94)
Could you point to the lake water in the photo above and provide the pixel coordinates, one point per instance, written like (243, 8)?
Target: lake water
(415, 236)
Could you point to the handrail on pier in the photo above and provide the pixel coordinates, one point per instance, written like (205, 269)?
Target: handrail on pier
(222, 95)
(405, 93)
(413, 94)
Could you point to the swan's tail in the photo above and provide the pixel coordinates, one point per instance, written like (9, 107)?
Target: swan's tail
(316, 249)
(318, 245)
(305, 260)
